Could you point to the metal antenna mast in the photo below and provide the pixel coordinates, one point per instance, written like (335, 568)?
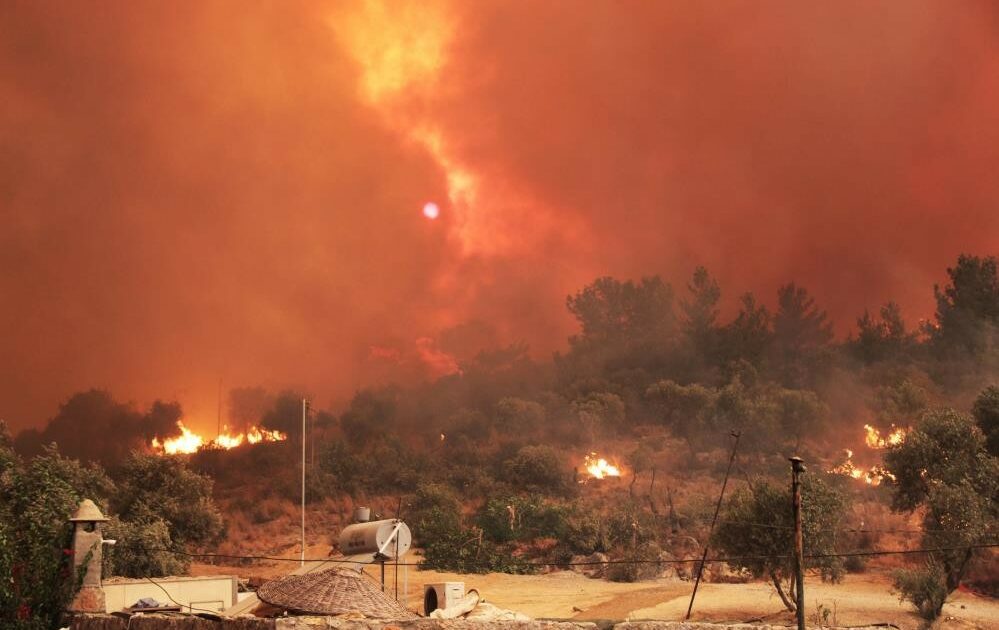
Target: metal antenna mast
(305, 411)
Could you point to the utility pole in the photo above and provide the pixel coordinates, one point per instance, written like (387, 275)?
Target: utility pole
(305, 411)
(721, 495)
(798, 467)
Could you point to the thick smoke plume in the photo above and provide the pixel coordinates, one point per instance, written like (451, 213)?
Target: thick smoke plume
(217, 190)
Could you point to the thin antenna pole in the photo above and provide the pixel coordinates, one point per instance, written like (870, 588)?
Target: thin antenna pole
(721, 495)
(220, 409)
(305, 407)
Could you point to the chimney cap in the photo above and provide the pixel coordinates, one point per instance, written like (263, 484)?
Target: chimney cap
(88, 512)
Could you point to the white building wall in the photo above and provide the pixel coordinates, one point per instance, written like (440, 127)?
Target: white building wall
(212, 593)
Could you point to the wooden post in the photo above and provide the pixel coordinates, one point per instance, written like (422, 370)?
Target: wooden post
(798, 467)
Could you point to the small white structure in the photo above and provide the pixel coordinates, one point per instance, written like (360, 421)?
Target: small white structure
(441, 595)
(194, 594)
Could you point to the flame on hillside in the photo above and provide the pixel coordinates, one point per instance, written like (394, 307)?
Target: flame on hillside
(599, 468)
(874, 475)
(189, 442)
(874, 440)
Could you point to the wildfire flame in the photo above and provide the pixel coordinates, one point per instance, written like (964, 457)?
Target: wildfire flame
(189, 442)
(874, 440)
(874, 475)
(599, 468)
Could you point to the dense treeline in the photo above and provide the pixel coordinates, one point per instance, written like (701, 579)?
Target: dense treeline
(645, 354)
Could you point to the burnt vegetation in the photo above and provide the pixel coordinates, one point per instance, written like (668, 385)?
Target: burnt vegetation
(486, 463)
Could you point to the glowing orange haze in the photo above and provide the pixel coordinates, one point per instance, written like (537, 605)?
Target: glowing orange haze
(212, 189)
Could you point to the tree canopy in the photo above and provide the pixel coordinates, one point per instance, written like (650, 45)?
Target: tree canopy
(943, 466)
(758, 530)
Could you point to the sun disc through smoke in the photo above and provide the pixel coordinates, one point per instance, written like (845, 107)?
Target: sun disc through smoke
(430, 210)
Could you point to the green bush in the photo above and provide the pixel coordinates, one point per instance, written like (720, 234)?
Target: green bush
(515, 518)
(514, 415)
(434, 511)
(153, 486)
(855, 564)
(344, 471)
(636, 571)
(764, 550)
(37, 580)
(924, 588)
(141, 550)
(464, 550)
(537, 468)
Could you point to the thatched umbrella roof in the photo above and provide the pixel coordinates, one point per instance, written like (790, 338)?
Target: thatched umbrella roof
(335, 591)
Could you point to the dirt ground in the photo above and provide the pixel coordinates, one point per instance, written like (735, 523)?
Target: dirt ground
(858, 600)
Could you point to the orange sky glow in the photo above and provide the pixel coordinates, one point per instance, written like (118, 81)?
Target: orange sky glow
(216, 190)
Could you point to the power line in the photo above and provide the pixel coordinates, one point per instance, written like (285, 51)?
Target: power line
(811, 556)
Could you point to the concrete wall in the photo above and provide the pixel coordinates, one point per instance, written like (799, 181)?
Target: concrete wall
(211, 592)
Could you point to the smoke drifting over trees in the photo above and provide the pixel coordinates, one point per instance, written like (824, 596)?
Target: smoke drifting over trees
(93, 426)
(643, 355)
(197, 192)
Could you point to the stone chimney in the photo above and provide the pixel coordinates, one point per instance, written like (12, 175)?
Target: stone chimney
(88, 551)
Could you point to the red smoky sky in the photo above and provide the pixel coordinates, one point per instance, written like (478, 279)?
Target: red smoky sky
(226, 190)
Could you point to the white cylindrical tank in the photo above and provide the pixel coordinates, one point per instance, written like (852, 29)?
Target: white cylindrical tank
(391, 537)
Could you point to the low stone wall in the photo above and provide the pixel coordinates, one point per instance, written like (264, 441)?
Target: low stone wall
(700, 625)
(187, 622)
